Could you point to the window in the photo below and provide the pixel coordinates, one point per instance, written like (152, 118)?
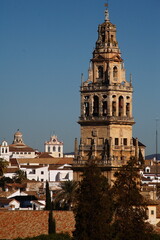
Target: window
(121, 106)
(100, 72)
(86, 97)
(127, 109)
(48, 149)
(116, 141)
(113, 108)
(2, 150)
(96, 106)
(54, 149)
(115, 73)
(59, 149)
(86, 110)
(33, 171)
(125, 141)
(105, 108)
(42, 172)
(152, 212)
(111, 38)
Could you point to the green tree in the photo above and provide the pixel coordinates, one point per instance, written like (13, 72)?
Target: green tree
(48, 198)
(51, 220)
(3, 166)
(20, 176)
(130, 206)
(67, 195)
(93, 212)
(51, 223)
(4, 180)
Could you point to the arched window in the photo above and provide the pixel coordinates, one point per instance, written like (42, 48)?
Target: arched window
(48, 149)
(96, 106)
(113, 108)
(54, 149)
(59, 149)
(127, 109)
(115, 72)
(86, 108)
(100, 72)
(121, 105)
(57, 178)
(105, 108)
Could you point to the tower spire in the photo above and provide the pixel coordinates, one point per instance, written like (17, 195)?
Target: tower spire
(106, 12)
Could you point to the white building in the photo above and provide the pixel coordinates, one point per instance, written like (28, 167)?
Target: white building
(60, 174)
(54, 147)
(18, 149)
(4, 150)
(35, 172)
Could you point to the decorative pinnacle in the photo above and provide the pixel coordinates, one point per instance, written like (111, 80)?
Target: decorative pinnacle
(82, 78)
(131, 78)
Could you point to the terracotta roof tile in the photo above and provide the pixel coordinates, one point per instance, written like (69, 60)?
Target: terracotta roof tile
(44, 155)
(57, 161)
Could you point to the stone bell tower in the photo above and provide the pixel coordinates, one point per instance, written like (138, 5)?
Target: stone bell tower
(106, 107)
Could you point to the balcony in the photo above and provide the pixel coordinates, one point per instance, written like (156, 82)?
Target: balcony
(106, 119)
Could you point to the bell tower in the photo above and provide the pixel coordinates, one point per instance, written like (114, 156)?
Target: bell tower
(106, 107)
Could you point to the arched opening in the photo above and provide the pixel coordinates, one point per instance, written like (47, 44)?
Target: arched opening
(115, 73)
(96, 106)
(100, 72)
(121, 104)
(113, 108)
(57, 178)
(127, 109)
(86, 109)
(105, 108)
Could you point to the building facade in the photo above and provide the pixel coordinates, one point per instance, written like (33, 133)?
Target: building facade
(54, 147)
(18, 149)
(106, 118)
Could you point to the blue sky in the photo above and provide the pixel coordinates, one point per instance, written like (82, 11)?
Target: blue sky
(45, 45)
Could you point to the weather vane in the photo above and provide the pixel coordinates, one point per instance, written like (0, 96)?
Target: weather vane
(106, 4)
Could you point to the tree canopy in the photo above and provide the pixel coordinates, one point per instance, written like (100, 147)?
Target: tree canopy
(93, 212)
(3, 166)
(130, 207)
(67, 194)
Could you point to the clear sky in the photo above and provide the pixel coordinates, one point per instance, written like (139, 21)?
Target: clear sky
(45, 45)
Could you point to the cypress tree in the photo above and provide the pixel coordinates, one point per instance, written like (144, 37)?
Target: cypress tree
(48, 198)
(51, 223)
(51, 220)
(93, 212)
(130, 206)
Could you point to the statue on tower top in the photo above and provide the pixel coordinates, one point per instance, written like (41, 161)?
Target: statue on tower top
(106, 12)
